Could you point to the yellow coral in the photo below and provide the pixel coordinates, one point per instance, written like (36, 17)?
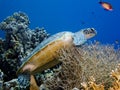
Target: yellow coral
(95, 86)
(115, 86)
(85, 85)
(92, 84)
(116, 74)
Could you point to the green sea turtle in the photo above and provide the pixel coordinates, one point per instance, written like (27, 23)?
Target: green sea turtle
(44, 55)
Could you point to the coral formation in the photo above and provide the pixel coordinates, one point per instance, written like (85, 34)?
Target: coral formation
(92, 85)
(116, 75)
(94, 60)
(86, 67)
(115, 85)
(19, 41)
(1, 79)
(69, 75)
(11, 85)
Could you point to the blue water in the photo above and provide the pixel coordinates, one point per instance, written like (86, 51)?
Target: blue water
(68, 15)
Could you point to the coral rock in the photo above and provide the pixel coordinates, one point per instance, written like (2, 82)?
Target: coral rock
(19, 41)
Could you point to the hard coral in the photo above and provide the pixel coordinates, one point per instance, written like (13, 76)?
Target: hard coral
(80, 63)
(115, 85)
(69, 76)
(116, 75)
(19, 41)
(99, 60)
(92, 85)
(77, 63)
(1, 79)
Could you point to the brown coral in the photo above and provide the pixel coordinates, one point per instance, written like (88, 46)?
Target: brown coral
(70, 74)
(78, 64)
(115, 85)
(92, 85)
(116, 75)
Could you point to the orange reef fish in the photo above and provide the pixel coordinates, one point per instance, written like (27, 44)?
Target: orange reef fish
(107, 6)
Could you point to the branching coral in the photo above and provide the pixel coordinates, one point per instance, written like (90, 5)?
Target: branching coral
(80, 63)
(92, 85)
(115, 85)
(70, 74)
(77, 63)
(99, 60)
(116, 75)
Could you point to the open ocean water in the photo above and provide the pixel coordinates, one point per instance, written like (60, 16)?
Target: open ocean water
(23, 56)
(68, 15)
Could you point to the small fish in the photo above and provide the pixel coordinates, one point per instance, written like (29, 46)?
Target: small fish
(107, 6)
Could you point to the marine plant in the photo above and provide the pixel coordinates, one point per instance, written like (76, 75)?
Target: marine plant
(86, 67)
(91, 63)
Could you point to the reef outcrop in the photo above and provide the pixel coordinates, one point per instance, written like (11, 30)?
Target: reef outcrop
(19, 41)
(86, 67)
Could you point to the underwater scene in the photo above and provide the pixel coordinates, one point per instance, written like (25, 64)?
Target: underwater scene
(60, 45)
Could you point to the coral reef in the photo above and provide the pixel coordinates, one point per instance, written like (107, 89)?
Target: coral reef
(92, 85)
(86, 67)
(115, 85)
(69, 75)
(100, 59)
(79, 64)
(19, 41)
(1, 79)
(116, 75)
(11, 85)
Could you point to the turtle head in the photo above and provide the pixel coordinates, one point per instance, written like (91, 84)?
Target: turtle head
(89, 32)
(81, 36)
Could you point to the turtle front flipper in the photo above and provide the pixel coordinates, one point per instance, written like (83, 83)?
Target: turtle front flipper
(33, 84)
(27, 82)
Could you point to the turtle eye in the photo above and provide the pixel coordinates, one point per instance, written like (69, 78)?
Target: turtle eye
(86, 32)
